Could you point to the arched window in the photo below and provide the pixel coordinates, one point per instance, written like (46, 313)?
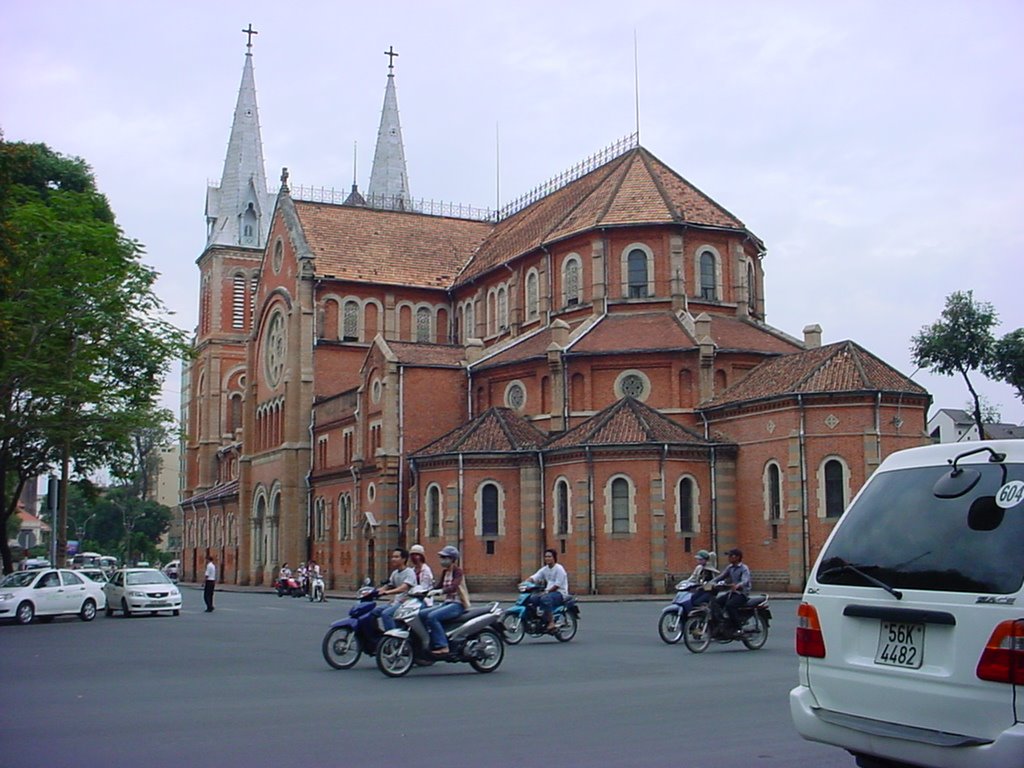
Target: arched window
(835, 488)
(637, 274)
(249, 226)
(708, 281)
(344, 517)
(620, 505)
(469, 324)
(350, 321)
(423, 324)
(751, 288)
(502, 308)
(532, 293)
(687, 504)
(433, 512)
(238, 296)
(571, 282)
(320, 523)
(489, 510)
(561, 508)
(234, 413)
(773, 492)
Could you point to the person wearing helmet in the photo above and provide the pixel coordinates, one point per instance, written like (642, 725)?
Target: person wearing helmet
(452, 584)
(556, 586)
(737, 578)
(424, 576)
(703, 572)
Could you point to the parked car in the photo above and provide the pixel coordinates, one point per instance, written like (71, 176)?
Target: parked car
(173, 569)
(108, 563)
(911, 630)
(84, 560)
(96, 574)
(47, 593)
(137, 590)
(31, 563)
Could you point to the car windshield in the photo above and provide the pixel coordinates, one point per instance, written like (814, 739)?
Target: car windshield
(19, 579)
(135, 578)
(898, 532)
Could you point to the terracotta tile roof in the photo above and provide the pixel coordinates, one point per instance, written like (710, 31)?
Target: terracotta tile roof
(626, 422)
(528, 347)
(431, 355)
(218, 492)
(634, 188)
(840, 367)
(496, 430)
(635, 332)
(737, 334)
(397, 248)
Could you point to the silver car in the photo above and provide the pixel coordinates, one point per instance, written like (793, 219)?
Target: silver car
(47, 593)
(141, 590)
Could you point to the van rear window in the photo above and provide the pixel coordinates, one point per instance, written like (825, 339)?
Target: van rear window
(899, 533)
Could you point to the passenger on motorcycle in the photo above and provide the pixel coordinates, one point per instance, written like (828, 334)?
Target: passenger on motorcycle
(286, 573)
(424, 576)
(702, 573)
(456, 600)
(556, 587)
(737, 578)
(402, 578)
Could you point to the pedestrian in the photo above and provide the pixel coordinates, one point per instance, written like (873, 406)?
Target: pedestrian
(211, 581)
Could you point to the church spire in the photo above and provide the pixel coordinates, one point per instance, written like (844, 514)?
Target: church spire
(238, 210)
(389, 185)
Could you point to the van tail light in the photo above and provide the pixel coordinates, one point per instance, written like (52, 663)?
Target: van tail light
(809, 640)
(1002, 661)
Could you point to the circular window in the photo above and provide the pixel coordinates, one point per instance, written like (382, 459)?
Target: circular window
(515, 395)
(633, 384)
(274, 345)
(376, 389)
(371, 492)
(278, 256)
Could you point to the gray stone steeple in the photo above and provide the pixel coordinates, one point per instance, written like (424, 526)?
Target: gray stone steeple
(238, 210)
(389, 184)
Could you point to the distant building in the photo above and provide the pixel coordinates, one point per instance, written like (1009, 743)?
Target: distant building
(30, 534)
(166, 490)
(952, 425)
(589, 369)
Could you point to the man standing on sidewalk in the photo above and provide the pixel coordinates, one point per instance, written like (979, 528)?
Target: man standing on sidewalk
(211, 581)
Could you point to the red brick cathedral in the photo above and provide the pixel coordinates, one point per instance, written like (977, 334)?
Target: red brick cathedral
(588, 369)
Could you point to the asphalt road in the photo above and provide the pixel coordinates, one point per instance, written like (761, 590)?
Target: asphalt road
(246, 685)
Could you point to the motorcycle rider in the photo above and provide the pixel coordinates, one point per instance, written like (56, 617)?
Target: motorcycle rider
(737, 577)
(702, 573)
(456, 600)
(401, 580)
(556, 586)
(424, 576)
(284, 575)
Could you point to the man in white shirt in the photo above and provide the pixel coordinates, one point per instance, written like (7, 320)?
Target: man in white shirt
(209, 583)
(401, 580)
(556, 586)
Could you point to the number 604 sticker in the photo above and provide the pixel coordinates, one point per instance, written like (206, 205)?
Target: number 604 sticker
(1011, 494)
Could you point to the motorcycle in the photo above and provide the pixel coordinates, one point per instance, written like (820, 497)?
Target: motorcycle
(706, 624)
(348, 639)
(673, 616)
(525, 619)
(473, 637)
(288, 585)
(316, 588)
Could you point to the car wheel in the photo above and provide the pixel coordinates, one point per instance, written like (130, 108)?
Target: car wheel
(108, 611)
(125, 609)
(25, 613)
(88, 612)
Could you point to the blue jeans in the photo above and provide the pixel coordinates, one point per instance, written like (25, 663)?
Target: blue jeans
(387, 616)
(433, 617)
(549, 601)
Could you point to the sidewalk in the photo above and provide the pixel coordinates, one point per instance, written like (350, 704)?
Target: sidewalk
(487, 597)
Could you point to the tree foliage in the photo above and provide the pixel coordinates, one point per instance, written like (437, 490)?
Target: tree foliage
(84, 345)
(1007, 362)
(960, 341)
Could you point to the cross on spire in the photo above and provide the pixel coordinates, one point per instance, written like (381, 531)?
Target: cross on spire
(390, 53)
(250, 32)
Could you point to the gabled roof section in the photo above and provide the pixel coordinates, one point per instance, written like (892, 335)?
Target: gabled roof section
(496, 430)
(426, 355)
(631, 189)
(397, 248)
(626, 422)
(635, 332)
(218, 492)
(840, 367)
(737, 334)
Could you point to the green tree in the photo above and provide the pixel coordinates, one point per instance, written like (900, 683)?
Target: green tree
(960, 341)
(1007, 363)
(84, 345)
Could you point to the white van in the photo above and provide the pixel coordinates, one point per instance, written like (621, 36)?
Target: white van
(911, 630)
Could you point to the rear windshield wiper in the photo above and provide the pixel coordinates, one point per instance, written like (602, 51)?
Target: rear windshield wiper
(866, 576)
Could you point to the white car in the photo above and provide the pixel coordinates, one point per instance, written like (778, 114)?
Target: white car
(47, 593)
(138, 590)
(911, 630)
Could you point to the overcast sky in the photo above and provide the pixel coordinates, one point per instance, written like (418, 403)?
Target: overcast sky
(877, 148)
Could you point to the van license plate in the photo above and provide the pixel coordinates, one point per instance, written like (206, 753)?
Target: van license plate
(900, 645)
